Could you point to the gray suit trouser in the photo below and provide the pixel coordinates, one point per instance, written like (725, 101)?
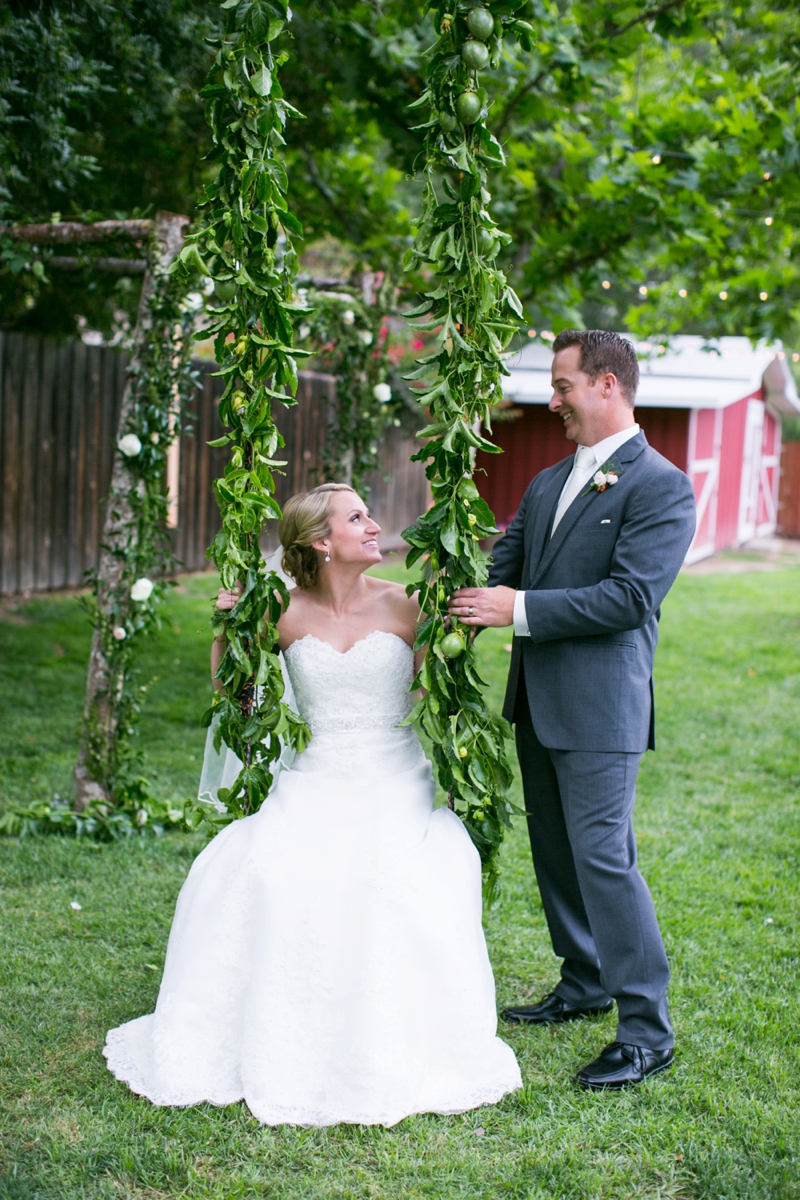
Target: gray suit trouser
(599, 909)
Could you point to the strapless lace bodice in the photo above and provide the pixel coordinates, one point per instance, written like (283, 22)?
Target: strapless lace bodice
(364, 689)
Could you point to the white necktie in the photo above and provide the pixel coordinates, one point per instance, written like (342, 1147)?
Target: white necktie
(582, 470)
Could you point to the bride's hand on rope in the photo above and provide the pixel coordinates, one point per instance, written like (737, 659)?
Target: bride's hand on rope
(493, 606)
(228, 598)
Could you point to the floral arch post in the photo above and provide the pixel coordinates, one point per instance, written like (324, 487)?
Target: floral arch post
(477, 314)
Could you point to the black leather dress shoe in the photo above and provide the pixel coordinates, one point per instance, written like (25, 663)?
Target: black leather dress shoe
(621, 1065)
(552, 1009)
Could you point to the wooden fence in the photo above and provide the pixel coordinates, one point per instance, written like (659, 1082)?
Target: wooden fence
(59, 406)
(789, 492)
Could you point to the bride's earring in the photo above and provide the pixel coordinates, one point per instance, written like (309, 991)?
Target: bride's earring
(327, 556)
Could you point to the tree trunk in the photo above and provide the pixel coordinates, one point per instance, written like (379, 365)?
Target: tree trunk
(103, 692)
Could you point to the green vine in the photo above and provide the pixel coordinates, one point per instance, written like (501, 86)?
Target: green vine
(163, 383)
(350, 339)
(476, 314)
(244, 243)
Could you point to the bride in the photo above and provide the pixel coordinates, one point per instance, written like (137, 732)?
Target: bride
(327, 962)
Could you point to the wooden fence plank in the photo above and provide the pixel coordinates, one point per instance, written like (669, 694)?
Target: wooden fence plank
(12, 462)
(61, 529)
(43, 472)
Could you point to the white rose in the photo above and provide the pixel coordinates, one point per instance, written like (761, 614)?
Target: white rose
(612, 478)
(142, 589)
(303, 332)
(599, 479)
(382, 393)
(348, 316)
(120, 634)
(130, 445)
(155, 437)
(365, 336)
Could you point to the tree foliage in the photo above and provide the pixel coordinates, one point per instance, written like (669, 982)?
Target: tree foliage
(705, 86)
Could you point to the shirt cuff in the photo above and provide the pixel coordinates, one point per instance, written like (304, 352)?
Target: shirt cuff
(520, 616)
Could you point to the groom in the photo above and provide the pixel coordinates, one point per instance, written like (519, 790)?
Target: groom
(581, 573)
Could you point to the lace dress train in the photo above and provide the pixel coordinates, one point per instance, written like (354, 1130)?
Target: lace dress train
(327, 961)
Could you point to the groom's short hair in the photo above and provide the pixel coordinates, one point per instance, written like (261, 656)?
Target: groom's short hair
(601, 352)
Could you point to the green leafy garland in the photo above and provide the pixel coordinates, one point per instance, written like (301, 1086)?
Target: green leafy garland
(351, 341)
(477, 315)
(244, 242)
(162, 386)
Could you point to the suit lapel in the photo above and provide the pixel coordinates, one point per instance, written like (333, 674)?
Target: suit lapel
(576, 509)
(545, 512)
(627, 452)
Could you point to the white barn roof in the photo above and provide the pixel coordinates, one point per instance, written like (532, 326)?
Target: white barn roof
(691, 373)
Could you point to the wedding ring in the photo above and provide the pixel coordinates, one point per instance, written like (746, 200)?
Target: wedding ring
(469, 611)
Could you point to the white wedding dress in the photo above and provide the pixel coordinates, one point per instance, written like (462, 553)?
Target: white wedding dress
(327, 961)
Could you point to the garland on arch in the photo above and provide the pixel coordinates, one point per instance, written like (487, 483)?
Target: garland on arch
(351, 338)
(244, 243)
(476, 314)
(136, 555)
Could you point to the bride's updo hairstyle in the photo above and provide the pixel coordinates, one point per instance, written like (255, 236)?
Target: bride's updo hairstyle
(306, 519)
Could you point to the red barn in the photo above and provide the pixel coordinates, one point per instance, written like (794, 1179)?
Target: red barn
(711, 408)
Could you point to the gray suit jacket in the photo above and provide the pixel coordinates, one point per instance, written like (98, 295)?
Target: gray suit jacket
(593, 594)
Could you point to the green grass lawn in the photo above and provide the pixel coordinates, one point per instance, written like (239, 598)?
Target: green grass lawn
(718, 836)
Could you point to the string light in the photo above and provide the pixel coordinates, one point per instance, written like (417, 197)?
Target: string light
(683, 293)
(606, 284)
(767, 220)
(723, 295)
(531, 333)
(764, 295)
(642, 290)
(781, 354)
(767, 175)
(796, 358)
(656, 159)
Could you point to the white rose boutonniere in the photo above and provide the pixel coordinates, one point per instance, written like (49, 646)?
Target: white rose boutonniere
(606, 477)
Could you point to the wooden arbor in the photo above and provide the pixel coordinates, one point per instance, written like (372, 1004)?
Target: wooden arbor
(162, 238)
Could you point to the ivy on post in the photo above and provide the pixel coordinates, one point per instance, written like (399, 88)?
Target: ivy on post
(135, 542)
(244, 243)
(477, 314)
(350, 340)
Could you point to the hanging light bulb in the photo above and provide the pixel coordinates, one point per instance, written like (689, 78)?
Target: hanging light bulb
(606, 284)
(683, 293)
(656, 159)
(723, 295)
(767, 220)
(642, 290)
(796, 358)
(767, 175)
(531, 333)
(764, 295)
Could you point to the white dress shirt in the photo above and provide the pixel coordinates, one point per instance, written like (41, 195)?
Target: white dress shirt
(588, 459)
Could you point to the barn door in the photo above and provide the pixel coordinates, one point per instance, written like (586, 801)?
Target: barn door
(751, 471)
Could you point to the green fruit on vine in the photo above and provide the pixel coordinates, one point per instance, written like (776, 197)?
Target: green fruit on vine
(451, 645)
(225, 290)
(447, 122)
(474, 56)
(486, 241)
(468, 107)
(481, 23)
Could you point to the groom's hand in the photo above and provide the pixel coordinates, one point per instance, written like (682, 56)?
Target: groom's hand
(483, 606)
